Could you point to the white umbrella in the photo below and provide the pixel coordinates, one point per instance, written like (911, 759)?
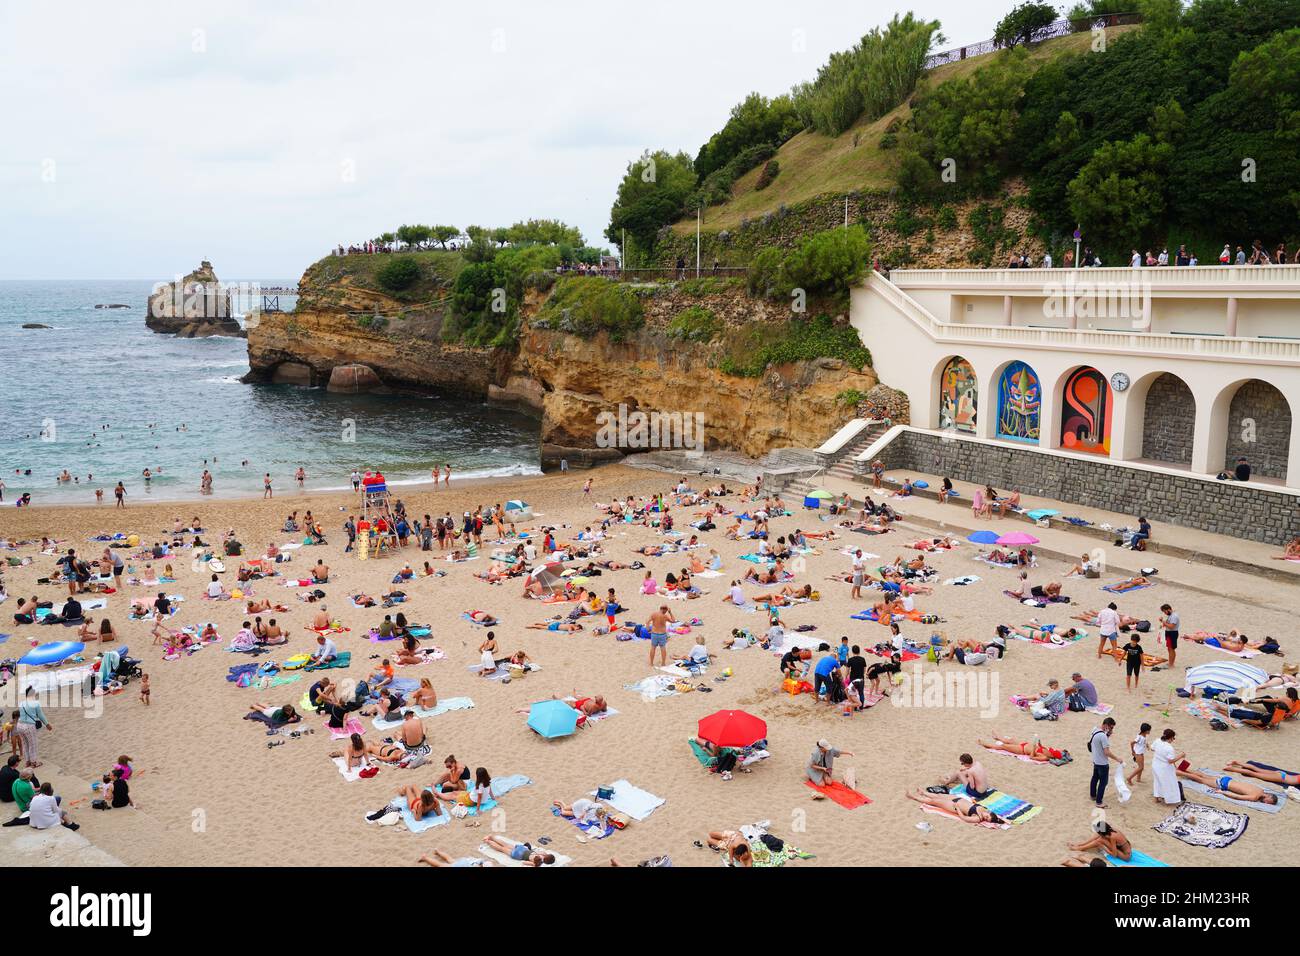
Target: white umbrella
(549, 575)
(1227, 675)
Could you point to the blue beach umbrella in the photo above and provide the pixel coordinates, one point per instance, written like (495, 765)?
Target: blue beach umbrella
(552, 718)
(983, 537)
(52, 653)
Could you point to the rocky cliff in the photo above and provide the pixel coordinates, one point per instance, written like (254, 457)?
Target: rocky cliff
(570, 380)
(192, 307)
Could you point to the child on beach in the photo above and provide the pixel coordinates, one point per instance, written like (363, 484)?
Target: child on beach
(144, 689)
(1139, 749)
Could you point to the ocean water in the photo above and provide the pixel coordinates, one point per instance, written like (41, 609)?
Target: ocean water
(176, 406)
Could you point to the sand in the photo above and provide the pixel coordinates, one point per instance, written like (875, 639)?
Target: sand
(210, 791)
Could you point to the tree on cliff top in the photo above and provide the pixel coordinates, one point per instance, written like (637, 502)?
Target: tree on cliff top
(414, 236)
(650, 197)
(444, 234)
(1024, 24)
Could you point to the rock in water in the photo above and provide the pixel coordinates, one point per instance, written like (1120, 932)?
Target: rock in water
(35, 325)
(194, 307)
(353, 378)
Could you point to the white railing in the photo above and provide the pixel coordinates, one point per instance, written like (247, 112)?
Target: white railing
(1272, 277)
(845, 435)
(1208, 347)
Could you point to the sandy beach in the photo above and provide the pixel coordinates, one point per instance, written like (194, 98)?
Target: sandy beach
(211, 792)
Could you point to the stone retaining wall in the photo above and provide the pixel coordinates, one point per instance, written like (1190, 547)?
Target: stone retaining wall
(1221, 507)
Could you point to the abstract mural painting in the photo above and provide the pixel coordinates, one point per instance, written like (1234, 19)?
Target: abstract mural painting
(1019, 403)
(958, 404)
(1085, 412)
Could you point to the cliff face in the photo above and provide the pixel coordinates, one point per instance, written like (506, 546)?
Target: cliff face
(193, 307)
(575, 384)
(791, 405)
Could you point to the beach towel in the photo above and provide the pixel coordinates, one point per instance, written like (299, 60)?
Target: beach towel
(1009, 808)
(632, 801)
(596, 829)
(504, 859)
(351, 776)
(1218, 794)
(1116, 589)
(350, 726)
(419, 826)
(653, 687)
(840, 794)
(343, 659)
(1040, 513)
(444, 706)
(1198, 825)
(963, 580)
(1137, 858)
(503, 785)
(1199, 708)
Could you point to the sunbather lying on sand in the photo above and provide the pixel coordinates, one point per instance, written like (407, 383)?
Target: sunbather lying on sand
(965, 809)
(1237, 789)
(436, 857)
(1261, 711)
(1090, 617)
(786, 596)
(1034, 751)
(481, 617)
(1292, 552)
(1044, 633)
(556, 624)
(415, 798)
(733, 843)
(1282, 777)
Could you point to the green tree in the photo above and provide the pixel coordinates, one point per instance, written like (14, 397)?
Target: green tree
(444, 234)
(1024, 24)
(414, 236)
(1119, 194)
(755, 121)
(398, 273)
(650, 196)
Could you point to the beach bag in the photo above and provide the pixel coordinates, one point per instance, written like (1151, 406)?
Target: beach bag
(775, 844)
(1143, 626)
(604, 793)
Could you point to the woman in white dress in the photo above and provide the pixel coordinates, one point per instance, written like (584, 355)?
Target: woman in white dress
(1164, 774)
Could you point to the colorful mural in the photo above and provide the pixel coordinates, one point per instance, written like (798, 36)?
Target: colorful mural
(1019, 403)
(1085, 412)
(957, 396)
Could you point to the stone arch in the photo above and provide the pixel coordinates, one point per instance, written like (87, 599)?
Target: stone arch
(1017, 393)
(1086, 406)
(956, 391)
(1255, 418)
(1168, 419)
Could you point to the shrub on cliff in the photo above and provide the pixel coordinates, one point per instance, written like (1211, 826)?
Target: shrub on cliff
(398, 273)
(694, 324)
(826, 263)
(1024, 24)
(587, 305)
(798, 340)
(769, 173)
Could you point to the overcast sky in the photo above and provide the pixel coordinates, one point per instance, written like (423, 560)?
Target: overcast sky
(142, 137)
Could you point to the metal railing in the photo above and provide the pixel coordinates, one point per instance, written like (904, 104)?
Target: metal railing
(673, 274)
(1057, 28)
(1279, 277)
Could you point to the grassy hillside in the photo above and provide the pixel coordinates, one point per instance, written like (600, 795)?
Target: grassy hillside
(324, 281)
(814, 165)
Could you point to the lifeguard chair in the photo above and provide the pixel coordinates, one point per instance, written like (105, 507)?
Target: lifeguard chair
(377, 516)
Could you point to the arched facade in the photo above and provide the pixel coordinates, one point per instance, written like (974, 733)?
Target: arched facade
(958, 399)
(1168, 420)
(1258, 428)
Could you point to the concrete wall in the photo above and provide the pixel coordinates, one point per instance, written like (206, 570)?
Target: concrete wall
(1222, 507)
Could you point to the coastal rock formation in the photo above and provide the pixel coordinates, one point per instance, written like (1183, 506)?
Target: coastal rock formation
(354, 378)
(35, 325)
(195, 306)
(355, 337)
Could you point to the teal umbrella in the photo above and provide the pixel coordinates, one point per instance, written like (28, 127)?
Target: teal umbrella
(552, 718)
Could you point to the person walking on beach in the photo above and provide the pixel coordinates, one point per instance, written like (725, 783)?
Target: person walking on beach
(586, 489)
(1108, 626)
(1099, 747)
(446, 474)
(658, 622)
(266, 487)
(356, 480)
(859, 572)
(435, 473)
(301, 476)
(120, 494)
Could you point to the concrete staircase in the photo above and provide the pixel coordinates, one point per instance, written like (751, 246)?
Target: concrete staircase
(842, 465)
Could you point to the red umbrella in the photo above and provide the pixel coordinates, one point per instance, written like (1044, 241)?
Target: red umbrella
(732, 728)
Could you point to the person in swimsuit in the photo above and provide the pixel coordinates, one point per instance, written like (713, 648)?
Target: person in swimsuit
(455, 775)
(522, 852)
(965, 809)
(1237, 789)
(417, 799)
(388, 753)
(354, 753)
(1108, 840)
(559, 624)
(413, 737)
(734, 844)
(1260, 772)
(1035, 751)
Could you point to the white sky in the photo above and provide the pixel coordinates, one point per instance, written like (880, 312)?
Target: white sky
(141, 137)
